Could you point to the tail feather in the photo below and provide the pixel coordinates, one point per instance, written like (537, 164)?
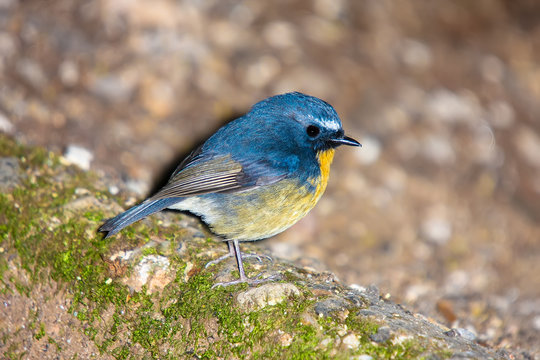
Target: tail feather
(136, 213)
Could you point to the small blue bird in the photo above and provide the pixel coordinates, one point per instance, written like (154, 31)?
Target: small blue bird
(256, 176)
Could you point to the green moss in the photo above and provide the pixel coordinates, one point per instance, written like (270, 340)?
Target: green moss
(149, 251)
(41, 333)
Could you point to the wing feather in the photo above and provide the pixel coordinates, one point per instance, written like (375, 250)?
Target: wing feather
(213, 174)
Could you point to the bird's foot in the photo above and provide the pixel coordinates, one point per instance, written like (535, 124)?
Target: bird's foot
(254, 281)
(244, 256)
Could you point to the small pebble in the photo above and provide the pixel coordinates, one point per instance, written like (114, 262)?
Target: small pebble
(501, 114)
(363, 357)
(77, 155)
(536, 322)
(461, 332)
(114, 190)
(436, 230)
(382, 335)
(32, 72)
(5, 125)
(351, 341)
(8, 48)
(527, 142)
(10, 172)
(152, 271)
(438, 149)
(68, 73)
(139, 187)
(280, 34)
(112, 88)
(267, 294)
(492, 69)
(328, 306)
(452, 107)
(416, 54)
(370, 152)
(285, 339)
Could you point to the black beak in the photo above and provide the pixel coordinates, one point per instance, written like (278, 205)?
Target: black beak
(345, 140)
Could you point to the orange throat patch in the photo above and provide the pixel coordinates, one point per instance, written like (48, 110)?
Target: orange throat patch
(325, 159)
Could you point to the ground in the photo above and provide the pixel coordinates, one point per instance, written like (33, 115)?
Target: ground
(439, 208)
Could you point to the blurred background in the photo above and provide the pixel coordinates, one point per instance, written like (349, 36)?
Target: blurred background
(440, 208)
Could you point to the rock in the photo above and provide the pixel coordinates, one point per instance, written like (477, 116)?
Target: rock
(464, 333)
(382, 335)
(280, 34)
(103, 297)
(84, 203)
(415, 54)
(536, 322)
(265, 295)
(527, 142)
(10, 173)
(492, 69)
(114, 190)
(452, 107)
(362, 357)
(7, 47)
(261, 72)
(331, 305)
(436, 230)
(5, 125)
(32, 72)
(112, 88)
(139, 187)
(152, 271)
(79, 156)
(464, 355)
(285, 339)
(501, 114)
(68, 73)
(438, 149)
(371, 150)
(158, 97)
(351, 341)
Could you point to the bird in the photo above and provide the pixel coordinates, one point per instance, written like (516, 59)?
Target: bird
(254, 177)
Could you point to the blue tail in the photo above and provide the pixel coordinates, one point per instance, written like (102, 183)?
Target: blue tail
(136, 213)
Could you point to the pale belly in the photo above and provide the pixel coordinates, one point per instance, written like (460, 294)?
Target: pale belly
(254, 214)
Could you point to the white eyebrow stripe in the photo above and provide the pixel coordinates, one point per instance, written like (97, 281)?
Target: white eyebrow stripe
(331, 124)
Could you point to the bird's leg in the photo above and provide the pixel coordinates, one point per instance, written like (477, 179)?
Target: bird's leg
(243, 278)
(221, 258)
(232, 254)
(236, 247)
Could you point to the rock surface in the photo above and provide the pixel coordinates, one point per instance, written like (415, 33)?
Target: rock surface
(65, 290)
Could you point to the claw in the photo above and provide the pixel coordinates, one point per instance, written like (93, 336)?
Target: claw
(258, 257)
(234, 250)
(217, 261)
(243, 255)
(248, 281)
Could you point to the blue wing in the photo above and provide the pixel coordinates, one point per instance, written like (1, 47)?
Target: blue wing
(219, 173)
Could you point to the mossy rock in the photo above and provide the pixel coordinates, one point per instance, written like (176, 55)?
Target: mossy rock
(69, 293)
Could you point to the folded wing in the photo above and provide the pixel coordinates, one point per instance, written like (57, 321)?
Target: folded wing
(216, 174)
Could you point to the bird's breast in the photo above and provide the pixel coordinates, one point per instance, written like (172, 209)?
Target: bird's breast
(263, 211)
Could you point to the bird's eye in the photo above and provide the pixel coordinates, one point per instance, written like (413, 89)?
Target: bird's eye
(313, 131)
